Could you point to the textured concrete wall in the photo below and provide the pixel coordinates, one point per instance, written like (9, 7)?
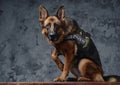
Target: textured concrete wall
(24, 53)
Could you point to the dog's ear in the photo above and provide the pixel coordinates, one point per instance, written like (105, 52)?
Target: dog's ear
(61, 13)
(43, 13)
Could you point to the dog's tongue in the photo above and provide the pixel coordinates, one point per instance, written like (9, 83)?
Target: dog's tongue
(51, 42)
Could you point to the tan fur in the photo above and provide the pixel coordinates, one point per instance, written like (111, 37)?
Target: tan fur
(51, 20)
(88, 69)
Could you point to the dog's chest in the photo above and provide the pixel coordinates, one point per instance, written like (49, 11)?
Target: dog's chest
(66, 47)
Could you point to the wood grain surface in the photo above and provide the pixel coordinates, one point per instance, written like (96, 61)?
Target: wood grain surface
(59, 83)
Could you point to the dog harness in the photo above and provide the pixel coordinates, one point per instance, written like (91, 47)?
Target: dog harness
(86, 47)
(81, 40)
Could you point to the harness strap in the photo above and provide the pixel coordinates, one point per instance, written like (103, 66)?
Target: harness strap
(81, 40)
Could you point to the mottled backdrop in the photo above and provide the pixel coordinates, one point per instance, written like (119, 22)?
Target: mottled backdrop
(24, 53)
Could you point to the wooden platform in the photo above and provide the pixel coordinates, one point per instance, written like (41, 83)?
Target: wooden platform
(59, 83)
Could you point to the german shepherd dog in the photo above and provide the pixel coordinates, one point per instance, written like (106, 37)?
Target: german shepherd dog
(81, 57)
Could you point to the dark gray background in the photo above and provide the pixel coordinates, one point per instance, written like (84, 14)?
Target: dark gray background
(25, 54)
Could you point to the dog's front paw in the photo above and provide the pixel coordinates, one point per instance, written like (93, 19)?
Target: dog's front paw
(83, 79)
(59, 79)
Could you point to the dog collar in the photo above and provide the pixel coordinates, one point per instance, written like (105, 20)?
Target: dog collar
(80, 39)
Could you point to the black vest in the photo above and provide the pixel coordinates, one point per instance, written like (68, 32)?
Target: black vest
(89, 51)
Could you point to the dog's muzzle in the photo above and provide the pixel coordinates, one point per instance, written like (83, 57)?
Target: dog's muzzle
(53, 36)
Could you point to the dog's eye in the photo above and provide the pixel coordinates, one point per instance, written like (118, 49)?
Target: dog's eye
(48, 26)
(56, 26)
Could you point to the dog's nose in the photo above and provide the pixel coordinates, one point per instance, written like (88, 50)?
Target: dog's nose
(52, 33)
(52, 36)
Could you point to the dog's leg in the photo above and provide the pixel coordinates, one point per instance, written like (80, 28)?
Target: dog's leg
(69, 56)
(84, 79)
(90, 71)
(75, 72)
(57, 60)
(74, 68)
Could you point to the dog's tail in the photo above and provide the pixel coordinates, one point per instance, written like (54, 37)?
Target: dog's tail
(112, 78)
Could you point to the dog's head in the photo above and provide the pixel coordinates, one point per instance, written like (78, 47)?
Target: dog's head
(52, 26)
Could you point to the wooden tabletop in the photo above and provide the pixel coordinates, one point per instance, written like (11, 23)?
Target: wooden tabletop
(59, 83)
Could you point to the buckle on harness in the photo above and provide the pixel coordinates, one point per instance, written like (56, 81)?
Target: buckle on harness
(86, 42)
